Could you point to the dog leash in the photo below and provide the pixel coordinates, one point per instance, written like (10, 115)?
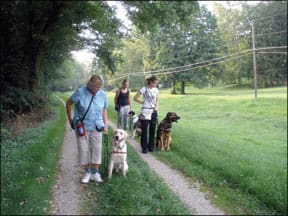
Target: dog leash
(105, 152)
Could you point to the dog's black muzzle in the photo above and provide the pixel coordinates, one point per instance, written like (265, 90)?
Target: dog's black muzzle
(176, 119)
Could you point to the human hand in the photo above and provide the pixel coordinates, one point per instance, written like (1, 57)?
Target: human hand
(105, 130)
(72, 124)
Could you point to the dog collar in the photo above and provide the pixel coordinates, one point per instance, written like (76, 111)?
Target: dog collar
(116, 152)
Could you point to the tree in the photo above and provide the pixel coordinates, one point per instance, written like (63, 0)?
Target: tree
(37, 36)
(270, 26)
(184, 43)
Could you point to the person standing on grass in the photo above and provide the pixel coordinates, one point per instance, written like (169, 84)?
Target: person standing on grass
(123, 104)
(148, 116)
(92, 100)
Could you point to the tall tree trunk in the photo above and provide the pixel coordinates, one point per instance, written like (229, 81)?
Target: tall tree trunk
(183, 87)
(30, 51)
(173, 90)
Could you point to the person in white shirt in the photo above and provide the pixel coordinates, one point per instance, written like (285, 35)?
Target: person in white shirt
(149, 112)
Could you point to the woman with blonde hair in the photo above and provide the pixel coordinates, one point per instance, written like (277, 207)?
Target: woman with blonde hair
(89, 121)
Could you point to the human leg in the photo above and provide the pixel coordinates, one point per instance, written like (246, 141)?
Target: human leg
(119, 120)
(126, 110)
(152, 128)
(143, 140)
(83, 156)
(96, 155)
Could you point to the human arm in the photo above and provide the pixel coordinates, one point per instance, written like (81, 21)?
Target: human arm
(69, 104)
(137, 98)
(116, 100)
(157, 103)
(116, 97)
(129, 100)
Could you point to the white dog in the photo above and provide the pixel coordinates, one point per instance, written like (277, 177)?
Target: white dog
(136, 124)
(118, 159)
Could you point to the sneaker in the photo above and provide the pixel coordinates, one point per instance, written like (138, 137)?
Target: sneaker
(96, 177)
(86, 178)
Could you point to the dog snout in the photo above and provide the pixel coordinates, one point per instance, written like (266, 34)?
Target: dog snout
(117, 137)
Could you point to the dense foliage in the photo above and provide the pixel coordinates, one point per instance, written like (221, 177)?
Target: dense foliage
(37, 36)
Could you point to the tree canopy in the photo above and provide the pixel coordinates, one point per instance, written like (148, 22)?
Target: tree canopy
(37, 36)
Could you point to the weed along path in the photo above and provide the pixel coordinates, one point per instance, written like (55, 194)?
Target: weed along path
(188, 193)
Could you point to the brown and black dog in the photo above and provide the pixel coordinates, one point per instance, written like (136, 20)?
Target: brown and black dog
(163, 139)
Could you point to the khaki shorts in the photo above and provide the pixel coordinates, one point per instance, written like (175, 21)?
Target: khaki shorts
(90, 147)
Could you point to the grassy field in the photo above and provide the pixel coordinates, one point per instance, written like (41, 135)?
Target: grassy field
(29, 164)
(235, 145)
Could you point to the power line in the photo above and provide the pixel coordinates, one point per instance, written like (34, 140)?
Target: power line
(273, 53)
(189, 66)
(267, 48)
(197, 67)
(270, 33)
(285, 12)
(181, 68)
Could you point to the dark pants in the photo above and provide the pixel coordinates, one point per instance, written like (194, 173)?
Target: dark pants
(152, 126)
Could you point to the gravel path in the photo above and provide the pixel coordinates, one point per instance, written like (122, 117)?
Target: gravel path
(69, 193)
(67, 190)
(190, 194)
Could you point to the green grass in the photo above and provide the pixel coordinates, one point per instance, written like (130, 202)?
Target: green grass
(29, 164)
(235, 145)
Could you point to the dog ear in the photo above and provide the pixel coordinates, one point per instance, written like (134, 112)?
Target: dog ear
(168, 115)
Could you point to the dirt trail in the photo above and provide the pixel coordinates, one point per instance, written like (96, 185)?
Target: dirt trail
(68, 191)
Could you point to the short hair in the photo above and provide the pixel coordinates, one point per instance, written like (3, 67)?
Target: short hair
(93, 79)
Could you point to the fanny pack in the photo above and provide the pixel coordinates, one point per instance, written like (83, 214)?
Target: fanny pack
(81, 129)
(146, 113)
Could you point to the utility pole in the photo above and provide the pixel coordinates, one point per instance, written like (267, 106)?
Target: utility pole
(128, 70)
(254, 60)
